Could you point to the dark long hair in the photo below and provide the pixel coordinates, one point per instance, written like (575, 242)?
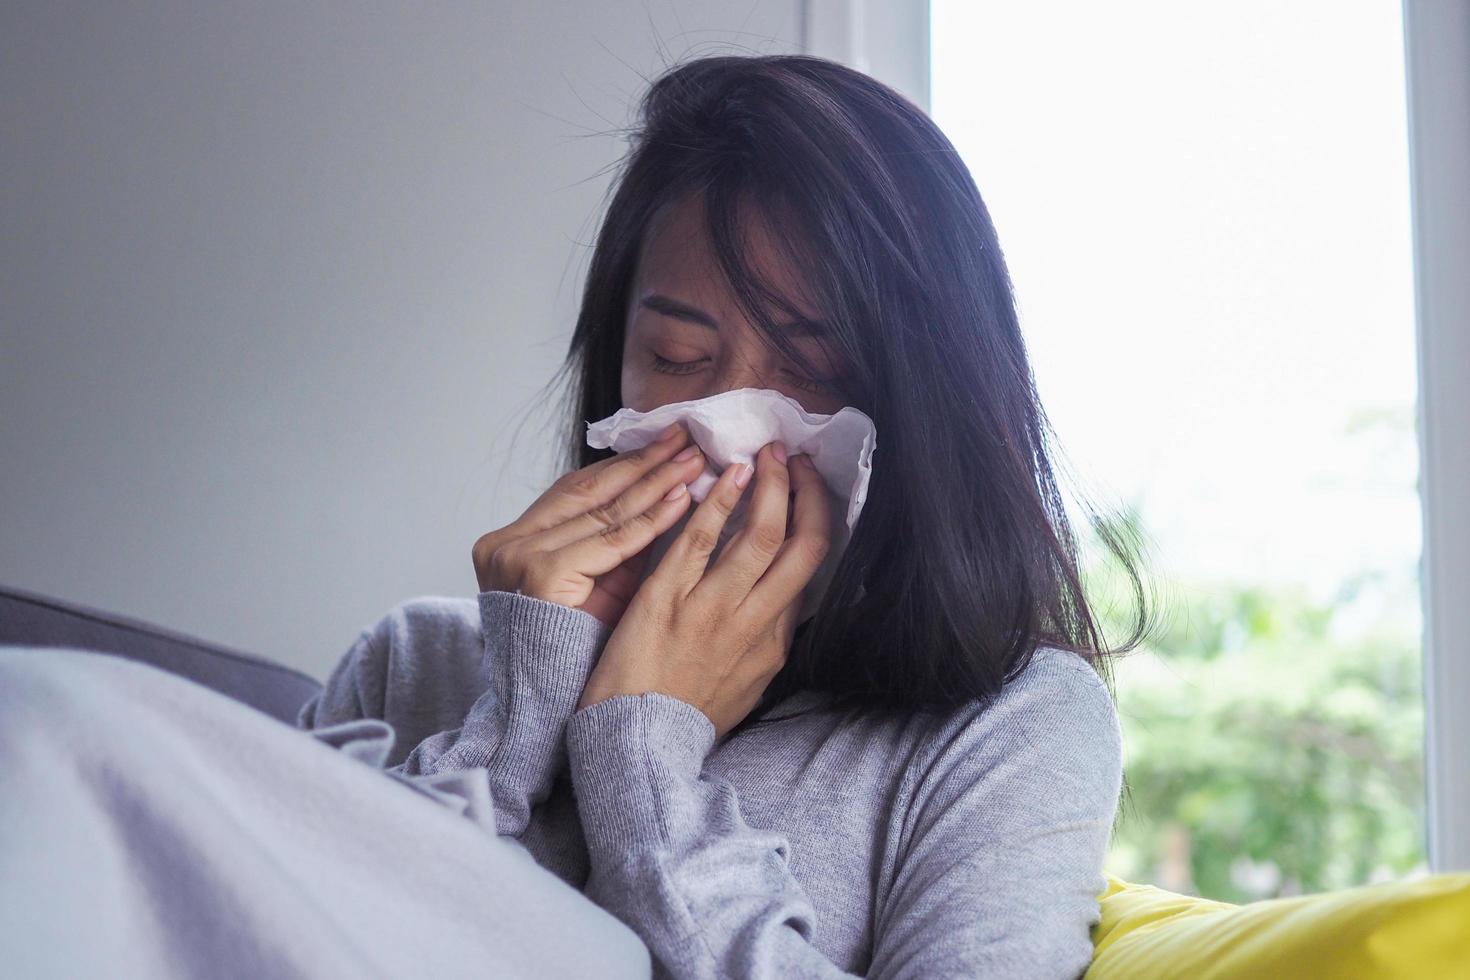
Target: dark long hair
(963, 561)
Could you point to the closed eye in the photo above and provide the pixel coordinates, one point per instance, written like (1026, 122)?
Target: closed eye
(666, 366)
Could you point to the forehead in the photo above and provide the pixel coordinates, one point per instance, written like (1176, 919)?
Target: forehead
(677, 256)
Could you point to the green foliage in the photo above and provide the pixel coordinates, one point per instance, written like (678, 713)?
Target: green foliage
(1273, 743)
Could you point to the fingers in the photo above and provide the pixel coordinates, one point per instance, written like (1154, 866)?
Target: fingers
(806, 548)
(626, 509)
(684, 564)
(610, 597)
(596, 543)
(610, 531)
(599, 483)
(750, 552)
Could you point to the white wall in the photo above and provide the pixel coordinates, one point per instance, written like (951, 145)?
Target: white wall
(279, 281)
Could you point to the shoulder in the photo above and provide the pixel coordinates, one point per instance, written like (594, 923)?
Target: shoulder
(1057, 689)
(1050, 739)
(1058, 698)
(1010, 806)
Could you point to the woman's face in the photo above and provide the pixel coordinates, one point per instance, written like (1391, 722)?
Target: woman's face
(686, 337)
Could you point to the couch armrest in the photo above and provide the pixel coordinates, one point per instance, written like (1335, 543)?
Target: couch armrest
(32, 619)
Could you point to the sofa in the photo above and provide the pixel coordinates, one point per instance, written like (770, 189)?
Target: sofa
(1398, 929)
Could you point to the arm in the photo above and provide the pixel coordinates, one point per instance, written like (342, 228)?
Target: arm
(671, 855)
(353, 690)
(1005, 837)
(1002, 850)
(536, 656)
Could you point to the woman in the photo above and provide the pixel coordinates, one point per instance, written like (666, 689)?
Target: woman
(920, 779)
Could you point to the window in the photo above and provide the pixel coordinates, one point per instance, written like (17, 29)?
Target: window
(1206, 214)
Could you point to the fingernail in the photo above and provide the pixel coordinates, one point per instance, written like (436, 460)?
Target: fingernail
(669, 432)
(675, 492)
(688, 452)
(742, 475)
(779, 452)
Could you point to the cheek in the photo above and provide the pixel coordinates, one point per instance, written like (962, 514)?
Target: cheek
(632, 386)
(639, 383)
(644, 389)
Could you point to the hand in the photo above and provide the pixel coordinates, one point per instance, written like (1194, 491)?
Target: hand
(714, 638)
(584, 542)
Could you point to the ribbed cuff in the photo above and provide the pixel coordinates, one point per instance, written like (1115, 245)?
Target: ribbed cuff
(627, 753)
(551, 645)
(539, 655)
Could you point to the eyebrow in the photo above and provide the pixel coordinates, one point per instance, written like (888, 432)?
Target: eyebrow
(668, 306)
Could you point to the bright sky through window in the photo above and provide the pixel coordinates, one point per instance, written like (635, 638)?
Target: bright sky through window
(1205, 211)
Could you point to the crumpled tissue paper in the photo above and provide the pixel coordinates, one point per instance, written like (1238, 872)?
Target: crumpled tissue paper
(731, 427)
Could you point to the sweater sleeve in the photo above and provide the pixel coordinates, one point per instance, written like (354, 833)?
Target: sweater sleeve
(998, 876)
(536, 656)
(671, 855)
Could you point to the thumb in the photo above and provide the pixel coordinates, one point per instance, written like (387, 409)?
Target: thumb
(639, 562)
(623, 580)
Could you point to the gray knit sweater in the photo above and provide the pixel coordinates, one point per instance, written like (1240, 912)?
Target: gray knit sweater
(970, 846)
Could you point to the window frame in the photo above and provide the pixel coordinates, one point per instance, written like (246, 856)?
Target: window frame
(1437, 68)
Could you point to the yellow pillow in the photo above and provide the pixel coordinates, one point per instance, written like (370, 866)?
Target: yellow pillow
(1398, 929)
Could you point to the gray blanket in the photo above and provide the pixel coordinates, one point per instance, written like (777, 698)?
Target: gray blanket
(151, 827)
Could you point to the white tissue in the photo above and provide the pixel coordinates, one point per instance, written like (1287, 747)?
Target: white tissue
(731, 428)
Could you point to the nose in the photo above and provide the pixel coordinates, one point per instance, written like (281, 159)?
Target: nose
(739, 372)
